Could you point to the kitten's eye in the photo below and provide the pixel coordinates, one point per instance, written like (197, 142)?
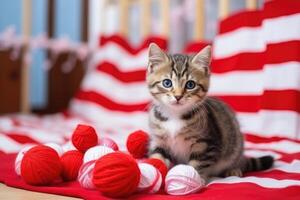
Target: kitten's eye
(190, 85)
(167, 83)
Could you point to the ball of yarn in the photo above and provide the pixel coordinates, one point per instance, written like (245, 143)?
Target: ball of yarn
(137, 144)
(160, 165)
(71, 162)
(85, 175)
(40, 166)
(96, 152)
(56, 147)
(182, 180)
(20, 157)
(105, 141)
(150, 180)
(84, 137)
(116, 175)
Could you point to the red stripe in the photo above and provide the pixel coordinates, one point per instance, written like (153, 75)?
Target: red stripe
(275, 53)
(275, 174)
(196, 46)
(241, 61)
(122, 42)
(283, 52)
(241, 19)
(281, 100)
(21, 138)
(258, 139)
(134, 76)
(277, 8)
(272, 9)
(270, 100)
(109, 104)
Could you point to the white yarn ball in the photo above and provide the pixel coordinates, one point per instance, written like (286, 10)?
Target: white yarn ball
(96, 152)
(68, 147)
(56, 147)
(85, 175)
(150, 180)
(20, 157)
(105, 141)
(182, 180)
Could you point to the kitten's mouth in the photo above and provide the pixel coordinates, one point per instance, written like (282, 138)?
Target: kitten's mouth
(177, 103)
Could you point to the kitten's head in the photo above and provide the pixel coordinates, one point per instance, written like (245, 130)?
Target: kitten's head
(178, 81)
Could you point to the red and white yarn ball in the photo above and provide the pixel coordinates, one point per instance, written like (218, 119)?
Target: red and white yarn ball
(59, 150)
(85, 175)
(105, 141)
(96, 152)
(20, 157)
(150, 179)
(183, 180)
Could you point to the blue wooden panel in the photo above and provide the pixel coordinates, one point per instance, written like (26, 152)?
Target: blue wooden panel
(38, 75)
(68, 19)
(10, 14)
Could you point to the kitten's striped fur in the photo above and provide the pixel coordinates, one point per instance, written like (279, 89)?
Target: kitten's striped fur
(197, 130)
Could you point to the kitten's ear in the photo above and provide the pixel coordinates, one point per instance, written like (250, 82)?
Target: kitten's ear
(156, 55)
(203, 57)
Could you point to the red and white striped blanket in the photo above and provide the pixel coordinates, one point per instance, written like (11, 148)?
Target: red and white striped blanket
(255, 69)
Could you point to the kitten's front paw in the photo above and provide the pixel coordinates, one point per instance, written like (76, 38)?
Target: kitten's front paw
(182, 180)
(234, 172)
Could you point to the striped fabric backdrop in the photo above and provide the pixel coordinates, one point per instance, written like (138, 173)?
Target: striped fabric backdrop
(255, 69)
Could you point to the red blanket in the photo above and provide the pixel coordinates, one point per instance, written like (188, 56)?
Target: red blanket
(279, 183)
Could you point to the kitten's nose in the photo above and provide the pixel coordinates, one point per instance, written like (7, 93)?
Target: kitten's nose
(178, 97)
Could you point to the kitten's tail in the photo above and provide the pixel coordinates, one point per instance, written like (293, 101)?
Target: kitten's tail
(257, 164)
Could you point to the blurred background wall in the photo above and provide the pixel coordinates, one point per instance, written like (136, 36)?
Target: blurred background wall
(62, 33)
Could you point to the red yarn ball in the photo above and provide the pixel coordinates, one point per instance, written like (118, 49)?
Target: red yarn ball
(116, 175)
(71, 162)
(40, 166)
(160, 165)
(137, 144)
(84, 137)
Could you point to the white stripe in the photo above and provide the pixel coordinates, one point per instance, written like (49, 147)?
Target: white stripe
(127, 93)
(41, 134)
(237, 82)
(271, 123)
(121, 58)
(254, 39)
(263, 182)
(259, 153)
(109, 119)
(282, 29)
(293, 167)
(8, 145)
(284, 146)
(246, 39)
(272, 77)
(282, 76)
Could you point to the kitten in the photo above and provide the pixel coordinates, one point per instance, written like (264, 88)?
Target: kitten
(188, 127)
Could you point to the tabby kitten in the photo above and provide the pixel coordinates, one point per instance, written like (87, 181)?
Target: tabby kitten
(186, 126)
